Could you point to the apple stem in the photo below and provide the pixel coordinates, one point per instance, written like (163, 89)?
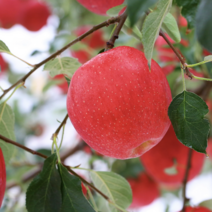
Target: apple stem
(110, 43)
(188, 166)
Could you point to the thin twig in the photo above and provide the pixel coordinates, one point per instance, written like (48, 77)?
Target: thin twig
(178, 54)
(185, 180)
(44, 156)
(110, 43)
(94, 28)
(61, 125)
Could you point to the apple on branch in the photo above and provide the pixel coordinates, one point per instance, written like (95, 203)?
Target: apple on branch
(117, 105)
(166, 162)
(3, 65)
(196, 209)
(2, 177)
(144, 190)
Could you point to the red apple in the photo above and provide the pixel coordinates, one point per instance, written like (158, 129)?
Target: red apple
(2, 177)
(9, 12)
(3, 65)
(171, 153)
(197, 209)
(81, 55)
(182, 22)
(117, 105)
(144, 190)
(34, 15)
(95, 40)
(100, 7)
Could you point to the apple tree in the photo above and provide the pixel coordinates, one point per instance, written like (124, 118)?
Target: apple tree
(119, 104)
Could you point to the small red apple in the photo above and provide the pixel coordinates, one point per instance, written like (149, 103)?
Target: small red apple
(34, 15)
(100, 7)
(117, 105)
(81, 55)
(197, 209)
(144, 190)
(95, 40)
(171, 153)
(2, 177)
(182, 21)
(9, 13)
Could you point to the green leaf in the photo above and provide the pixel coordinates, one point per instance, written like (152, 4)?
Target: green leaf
(4, 48)
(170, 26)
(44, 194)
(73, 198)
(207, 204)
(189, 8)
(133, 31)
(136, 8)
(7, 122)
(64, 65)
(152, 25)
(186, 113)
(114, 11)
(171, 171)
(114, 186)
(203, 24)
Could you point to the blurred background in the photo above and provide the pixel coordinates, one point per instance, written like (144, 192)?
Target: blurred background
(33, 30)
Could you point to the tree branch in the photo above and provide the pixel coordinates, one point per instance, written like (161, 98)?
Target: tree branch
(188, 166)
(110, 43)
(44, 156)
(94, 28)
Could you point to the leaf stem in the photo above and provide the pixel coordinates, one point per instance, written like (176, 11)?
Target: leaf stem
(197, 64)
(57, 149)
(201, 78)
(22, 60)
(183, 78)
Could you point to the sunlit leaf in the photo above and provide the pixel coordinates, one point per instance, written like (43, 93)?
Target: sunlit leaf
(4, 48)
(152, 25)
(114, 186)
(114, 11)
(170, 26)
(64, 65)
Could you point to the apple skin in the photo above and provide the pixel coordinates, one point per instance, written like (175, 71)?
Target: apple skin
(117, 105)
(100, 7)
(196, 209)
(34, 15)
(94, 40)
(144, 190)
(162, 156)
(2, 177)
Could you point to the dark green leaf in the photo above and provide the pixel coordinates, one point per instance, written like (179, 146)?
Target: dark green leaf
(136, 8)
(44, 193)
(7, 122)
(203, 24)
(186, 112)
(73, 198)
(189, 8)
